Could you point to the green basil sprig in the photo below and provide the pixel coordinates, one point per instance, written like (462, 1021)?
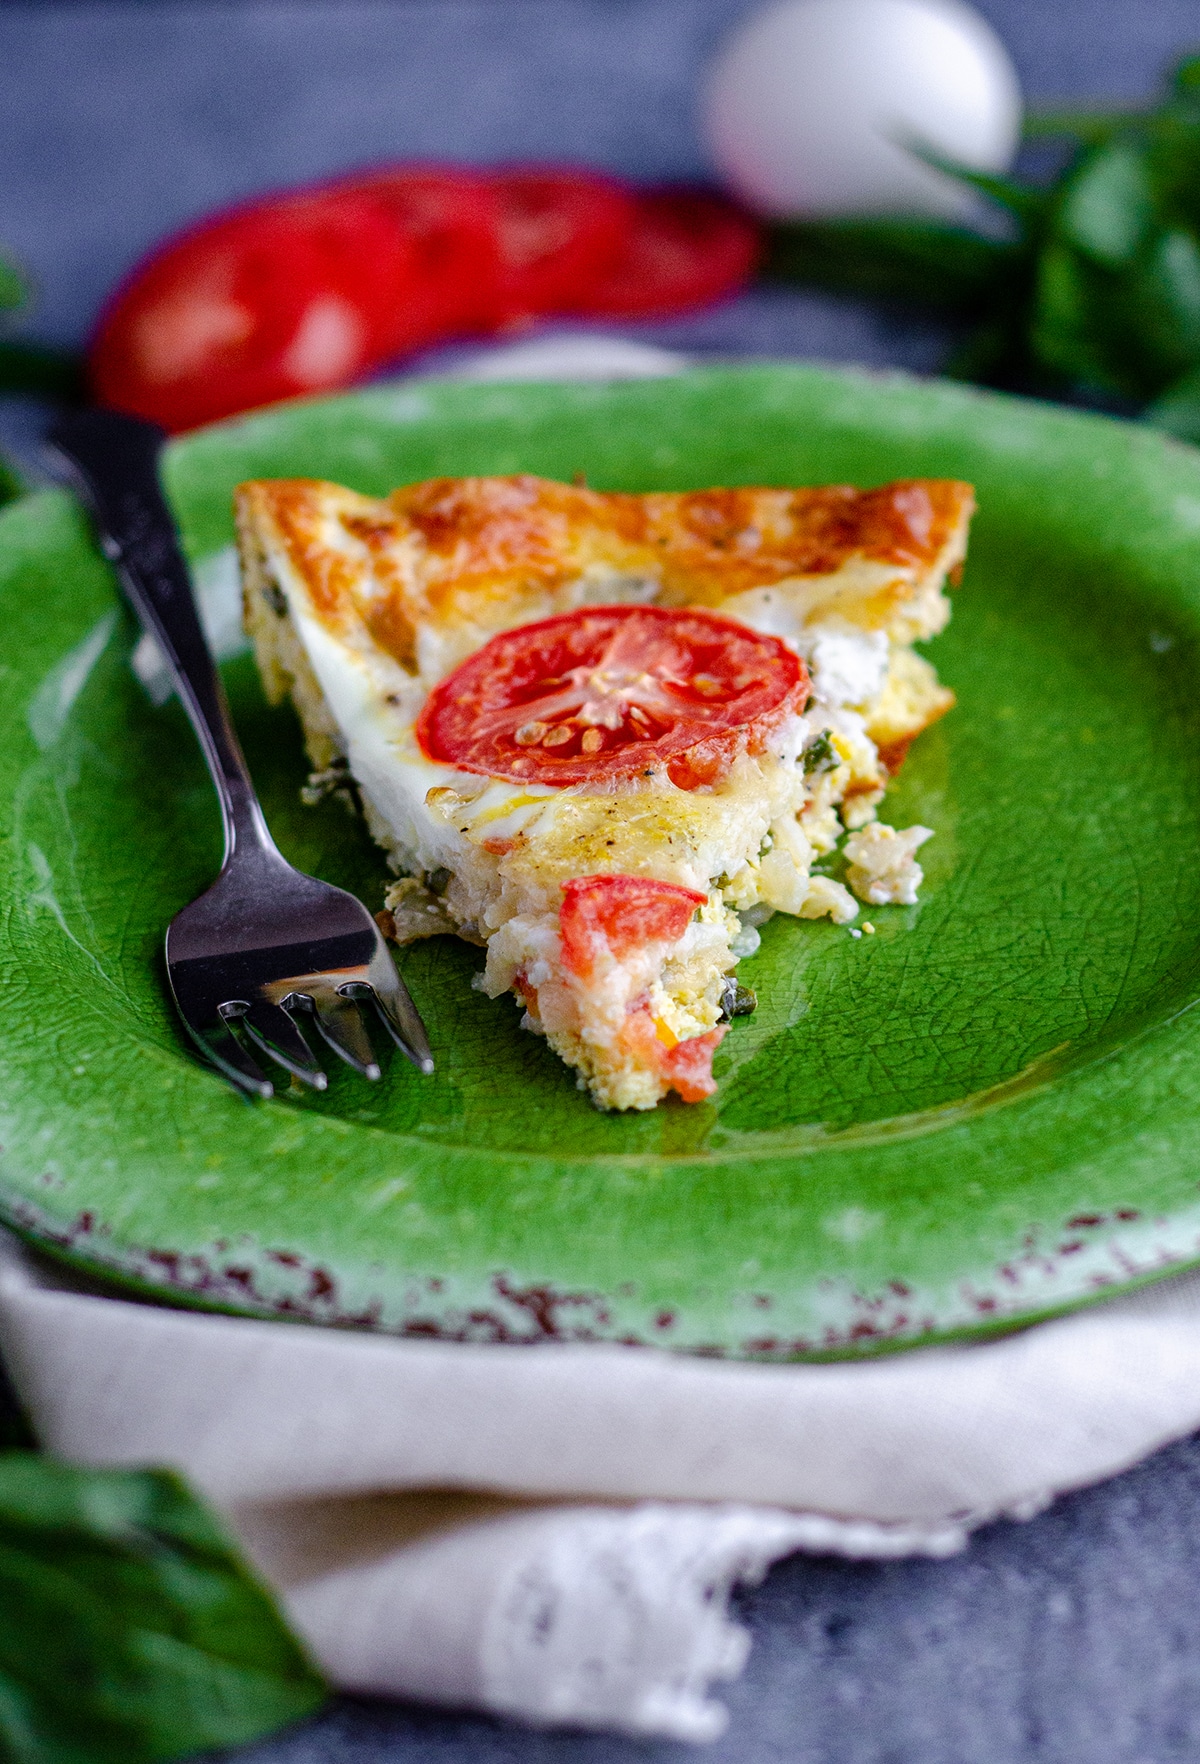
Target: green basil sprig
(14, 289)
(1095, 288)
(31, 367)
(130, 1630)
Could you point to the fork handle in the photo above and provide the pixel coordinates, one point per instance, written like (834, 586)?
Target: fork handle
(113, 462)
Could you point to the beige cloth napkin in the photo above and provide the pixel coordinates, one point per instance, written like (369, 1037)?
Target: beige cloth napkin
(551, 1532)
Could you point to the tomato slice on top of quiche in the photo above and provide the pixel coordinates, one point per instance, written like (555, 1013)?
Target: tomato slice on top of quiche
(606, 735)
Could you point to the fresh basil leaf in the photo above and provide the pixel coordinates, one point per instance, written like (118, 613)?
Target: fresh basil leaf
(1173, 287)
(949, 268)
(1177, 411)
(130, 1630)
(35, 370)
(1091, 128)
(1025, 202)
(14, 289)
(1108, 208)
(1185, 81)
(1146, 321)
(1175, 167)
(11, 486)
(32, 368)
(14, 1423)
(1130, 331)
(1062, 333)
(995, 353)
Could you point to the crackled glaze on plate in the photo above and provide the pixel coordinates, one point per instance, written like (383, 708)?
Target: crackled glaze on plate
(989, 1110)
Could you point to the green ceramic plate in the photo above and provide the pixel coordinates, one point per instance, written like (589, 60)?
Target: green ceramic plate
(989, 1110)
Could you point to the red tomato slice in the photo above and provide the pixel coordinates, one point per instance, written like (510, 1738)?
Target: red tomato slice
(557, 231)
(451, 219)
(688, 1065)
(683, 249)
(608, 692)
(620, 914)
(285, 297)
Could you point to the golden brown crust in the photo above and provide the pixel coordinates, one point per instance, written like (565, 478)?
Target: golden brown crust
(912, 698)
(709, 543)
(338, 543)
(491, 552)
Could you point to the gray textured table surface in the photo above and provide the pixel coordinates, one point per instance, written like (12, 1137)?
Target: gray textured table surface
(1073, 1639)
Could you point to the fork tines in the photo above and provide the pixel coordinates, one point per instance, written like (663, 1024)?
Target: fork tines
(270, 1019)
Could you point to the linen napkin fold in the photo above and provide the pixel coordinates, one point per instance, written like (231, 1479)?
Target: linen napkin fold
(551, 1532)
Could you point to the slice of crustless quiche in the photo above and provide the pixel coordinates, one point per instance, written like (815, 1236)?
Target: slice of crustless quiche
(606, 735)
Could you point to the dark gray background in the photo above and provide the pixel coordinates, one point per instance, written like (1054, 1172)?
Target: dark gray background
(1074, 1638)
(119, 122)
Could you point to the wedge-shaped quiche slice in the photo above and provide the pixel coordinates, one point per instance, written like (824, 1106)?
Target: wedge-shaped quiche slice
(606, 735)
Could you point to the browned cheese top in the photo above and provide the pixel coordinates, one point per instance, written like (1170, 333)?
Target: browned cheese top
(492, 552)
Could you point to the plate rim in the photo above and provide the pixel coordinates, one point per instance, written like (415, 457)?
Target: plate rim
(371, 397)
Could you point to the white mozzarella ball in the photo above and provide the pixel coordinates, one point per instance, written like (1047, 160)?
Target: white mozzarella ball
(807, 107)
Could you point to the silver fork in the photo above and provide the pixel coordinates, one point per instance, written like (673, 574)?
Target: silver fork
(266, 948)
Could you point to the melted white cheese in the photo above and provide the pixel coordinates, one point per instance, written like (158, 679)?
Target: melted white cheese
(848, 666)
(847, 663)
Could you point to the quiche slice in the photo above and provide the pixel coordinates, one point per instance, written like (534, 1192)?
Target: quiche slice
(604, 736)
